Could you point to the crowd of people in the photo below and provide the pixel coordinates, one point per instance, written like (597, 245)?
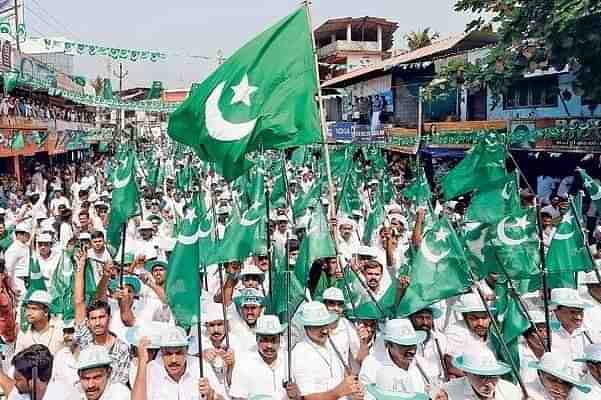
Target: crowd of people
(39, 108)
(122, 341)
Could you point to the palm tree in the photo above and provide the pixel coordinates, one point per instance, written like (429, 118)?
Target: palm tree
(97, 84)
(418, 39)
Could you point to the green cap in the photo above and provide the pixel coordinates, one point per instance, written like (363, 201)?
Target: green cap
(130, 280)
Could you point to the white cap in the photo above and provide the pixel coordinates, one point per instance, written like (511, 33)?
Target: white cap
(268, 325)
(366, 251)
(44, 238)
(251, 269)
(568, 298)
(470, 302)
(23, 227)
(85, 236)
(93, 356)
(212, 312)
(174, 337)
(333, 294)
(39, 296)
(145, 225)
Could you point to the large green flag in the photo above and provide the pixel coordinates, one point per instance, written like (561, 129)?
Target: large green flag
(62, 286)
(440, 254)
(17, 142)
(36, 279)
(263, 96)
(374, 220)
(125, 199)
(567, 252)
(483, 164)
(515, 240)
(593, 188)
(491, 203)
(307, 200)
(317, 244)
(182, 286)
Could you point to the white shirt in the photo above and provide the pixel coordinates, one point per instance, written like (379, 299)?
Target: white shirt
(48, 265)
(428, 350)
(251, 376)
(64, 368)
(160, 386)
(54, 390)
(113, 391)
(316, 369)
(572, 345)
(17, 259)
(594, 394)
(459, 338)
(460, 389)
(346, 339)
(412, 378)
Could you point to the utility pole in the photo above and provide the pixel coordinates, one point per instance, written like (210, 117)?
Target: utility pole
(122, 75)
(17, 26)
(220, 58)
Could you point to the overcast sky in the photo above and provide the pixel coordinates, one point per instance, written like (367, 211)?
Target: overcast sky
(204, 27)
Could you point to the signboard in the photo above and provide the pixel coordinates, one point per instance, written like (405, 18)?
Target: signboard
(6, 54)
(343, 131)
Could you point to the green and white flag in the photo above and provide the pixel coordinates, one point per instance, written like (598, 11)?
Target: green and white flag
(62, 287)
(593, 188)
(482, 165)
(17, 142)
(182, 285)
(439, 255)
(263, 96)
(125, 198)
(419, 189)
(494, 201)
(317, 244)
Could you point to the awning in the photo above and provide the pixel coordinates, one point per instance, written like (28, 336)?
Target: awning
(437, 152)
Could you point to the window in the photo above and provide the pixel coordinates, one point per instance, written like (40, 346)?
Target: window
(534, 92)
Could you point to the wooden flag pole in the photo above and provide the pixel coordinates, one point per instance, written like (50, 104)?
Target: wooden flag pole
(121, 270)
(322, 117)
(268, 233)
(288, 311)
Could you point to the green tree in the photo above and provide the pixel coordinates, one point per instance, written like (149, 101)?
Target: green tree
(536, 35)
(421, 38)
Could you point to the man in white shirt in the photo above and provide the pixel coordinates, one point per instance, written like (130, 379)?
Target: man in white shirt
(570, 337)
(317, 369)
(98, 254)
(347, 238)
(592, 358)
(173, 374)
(400, 351)
(433, 348)
(41, 329)
(58, 199)
(46, 258)
(558, 378)
(17, 258)
(482, 379)
(148, 244)
(470, 333)
(266, 370)
(243, 322)
(94, 370)
(342, 331)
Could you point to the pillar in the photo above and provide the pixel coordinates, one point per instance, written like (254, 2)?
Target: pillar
(349, 37)
(333, 38)
(17, 168)
(379, 37)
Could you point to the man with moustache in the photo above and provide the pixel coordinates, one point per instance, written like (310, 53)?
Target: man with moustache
(570, 337)
(433, 348)
(264, 371)
(400, 351)
(243, 322)
(94, 371)
(342, 332)
(481, 381)
(558, 378)
(173, 374)
(592, 360)
(316, 368)
(470, 333)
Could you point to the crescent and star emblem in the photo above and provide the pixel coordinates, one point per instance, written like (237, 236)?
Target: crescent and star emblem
(521, 222)
(218, 127)
(594, 196)
(565, 236)
(246, 222)
(429, 255)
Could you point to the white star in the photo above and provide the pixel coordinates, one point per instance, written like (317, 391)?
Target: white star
(567, 218)
(190, 215)
(441, 235)
(243, 91)
(588, 183)
(522, 222)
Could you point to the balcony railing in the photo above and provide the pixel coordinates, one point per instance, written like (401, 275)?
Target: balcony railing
(344, 45)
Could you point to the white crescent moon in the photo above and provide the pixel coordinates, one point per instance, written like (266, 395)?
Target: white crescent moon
(504, 194)
(428, 255)
(203, 234)
(188, 240)
(563, 236)
(217, 127)
(503, 236)
(246, 222)
(121, 183)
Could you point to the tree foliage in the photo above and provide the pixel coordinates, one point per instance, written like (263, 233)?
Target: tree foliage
(421, 38)
(535, 35)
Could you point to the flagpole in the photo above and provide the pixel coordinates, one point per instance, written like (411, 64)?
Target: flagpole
(322, 119)
(123, 236)
(268, 233)
(541, 250)
(199, 329)
(288, 313)
(585, 239)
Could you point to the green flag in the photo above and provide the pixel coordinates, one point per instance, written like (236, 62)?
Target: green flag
(182, 285)
(17, 141)
(36, 279)
(491, 203)
(155, 91)
(125, 199)
(439, 255)
(593, 188)
(483, 164)
(263, 96)
(10, 81)
(62, 287)
(374, 220)
(515, 240)
(107, 89)
(567, 252)
(419, 190)
(317, 244)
